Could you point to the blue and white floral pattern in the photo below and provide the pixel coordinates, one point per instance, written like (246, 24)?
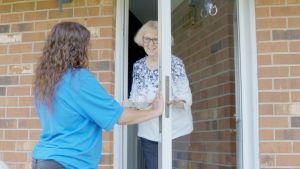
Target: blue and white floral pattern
(145, 85)
(145, 81)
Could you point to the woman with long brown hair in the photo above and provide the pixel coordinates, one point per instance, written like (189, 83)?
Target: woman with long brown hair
(72, 105)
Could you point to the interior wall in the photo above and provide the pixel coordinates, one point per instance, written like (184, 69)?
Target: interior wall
(206, 46)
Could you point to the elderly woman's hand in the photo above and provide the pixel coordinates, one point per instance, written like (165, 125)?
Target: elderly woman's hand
(177, 104)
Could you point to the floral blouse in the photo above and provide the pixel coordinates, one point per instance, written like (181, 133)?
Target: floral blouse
(145, 81)
(145, 85)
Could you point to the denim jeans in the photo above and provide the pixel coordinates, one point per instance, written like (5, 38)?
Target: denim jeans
(46, 164)
(150, 152)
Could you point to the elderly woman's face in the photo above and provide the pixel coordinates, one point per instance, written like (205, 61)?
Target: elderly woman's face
(150, 42)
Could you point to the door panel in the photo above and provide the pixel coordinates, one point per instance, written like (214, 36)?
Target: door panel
(205, 42)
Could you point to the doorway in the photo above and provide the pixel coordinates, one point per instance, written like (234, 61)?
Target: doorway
(206, 45)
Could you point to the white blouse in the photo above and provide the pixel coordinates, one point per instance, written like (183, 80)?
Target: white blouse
(145, 85)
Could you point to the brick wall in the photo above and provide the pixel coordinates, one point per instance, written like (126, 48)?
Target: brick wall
(207, 49)
(24, 25)
(278, 43)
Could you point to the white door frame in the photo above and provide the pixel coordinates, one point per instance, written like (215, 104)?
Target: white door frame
(248, 86)
(246, 80)
(121, 79)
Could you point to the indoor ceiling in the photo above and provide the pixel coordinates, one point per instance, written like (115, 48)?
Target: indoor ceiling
(146, 10)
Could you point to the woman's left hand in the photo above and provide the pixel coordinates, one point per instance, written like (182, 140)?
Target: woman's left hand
(177, 103)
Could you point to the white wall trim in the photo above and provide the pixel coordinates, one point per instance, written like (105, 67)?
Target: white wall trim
(248, 84)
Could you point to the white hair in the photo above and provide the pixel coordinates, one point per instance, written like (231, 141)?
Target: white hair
(148, 26)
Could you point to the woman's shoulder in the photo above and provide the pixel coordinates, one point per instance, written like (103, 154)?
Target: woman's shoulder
(176, 60)
(140, 62)
(78, 74)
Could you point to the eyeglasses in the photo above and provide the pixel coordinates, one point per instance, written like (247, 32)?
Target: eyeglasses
(147, 40)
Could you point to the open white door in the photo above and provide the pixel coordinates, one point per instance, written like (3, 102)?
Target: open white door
(164, 35)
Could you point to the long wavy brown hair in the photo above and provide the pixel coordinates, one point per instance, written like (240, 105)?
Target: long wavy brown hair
(65, 48)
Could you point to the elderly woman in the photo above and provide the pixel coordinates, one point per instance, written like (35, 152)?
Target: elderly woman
(145, 85)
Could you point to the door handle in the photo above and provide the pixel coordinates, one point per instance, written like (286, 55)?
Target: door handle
(167, 92)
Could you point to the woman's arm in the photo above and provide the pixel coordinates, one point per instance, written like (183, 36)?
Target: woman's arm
(134, 116)
(181, 92)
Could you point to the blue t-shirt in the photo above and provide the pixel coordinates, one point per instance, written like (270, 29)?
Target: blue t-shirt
(72, 131)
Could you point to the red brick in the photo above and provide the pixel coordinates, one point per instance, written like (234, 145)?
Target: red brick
(3, 49)
(18, 91)
(7, 146)
(100, 21)
(295, 70)
(102, 44)
(5, 8)
(294, 22)
(25, 145)
(8, 123)
(10, 59)
(34, 134)
(272, 47)
(15, 156)
(83, 12)
(266, 134)
(107, 32)
(269, 72)
(22, 27)
(265, 84)
(17, 112)
(275, 147)
(55, 14)
(273, 122)
(266, 109)
(49, 4)
(107, 11)
(269, 2)
(263, 35)
(33, 37)
(270, 23)
(296, 147)
(9, 102)
(15, 17)
(26, 101)
(262, 12)
(287, 83)
(35, 16)
(293, 1)
(285, 11)
(286, 59)
(294, 46)
(287, 134)
(295, 96)
(94, 2)
(273, 97)
(38, 47)
(47, 25)
(20, 48)
(25, 6)
(288, 160)
(16, 134)
(29, 123)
